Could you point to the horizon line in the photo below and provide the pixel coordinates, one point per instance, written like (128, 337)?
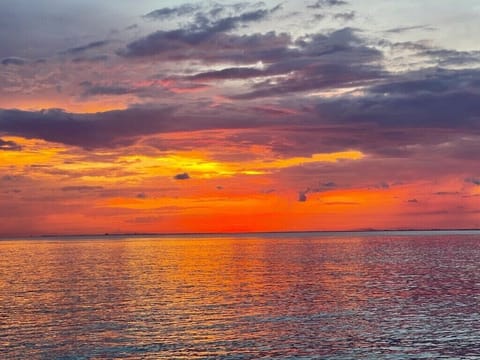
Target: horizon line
(216, 233)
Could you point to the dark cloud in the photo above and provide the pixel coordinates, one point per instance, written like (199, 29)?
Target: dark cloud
(414, 201)
(319, 4)
(141, 196)
(319, 61)
(112, 128)
(208, 47)
(449, 110)
(182, 176)
(229, 73)
(166, 13)
(434, 81)
(402, 29)
(448, 57)
(13, 61)
(123, 127)
(472, 180)
(132, 27)
(90, 59)
(82, 188)
(340, 56)
(94, 90)
(302, 196)
(205, 33)
(319, 17)
(382, 185)
(8, 145)
(328, 76)
(424, 51)
(84, 48)
(446, 193)
(346, 16)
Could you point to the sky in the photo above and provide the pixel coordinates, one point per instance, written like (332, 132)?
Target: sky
(161, 116)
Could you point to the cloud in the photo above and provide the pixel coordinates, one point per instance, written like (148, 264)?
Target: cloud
(413, 201)
(206, 32)
(84, 48)
(447, 57)
(319, 4)
(320, 61)
(182, 176)
(382, 185)
(452, 109)
(107, 129)
(446, 193)
(141, 196)
(8, 145)
(402, 29)
(124, 127)
(302, 196)
(472, 180)
(13, 61)
(346, 16)
(132, 27)
(90, 59)
(167, 13)
(229, 73)
(97, 89)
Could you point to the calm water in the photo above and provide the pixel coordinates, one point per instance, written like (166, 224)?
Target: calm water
(311, 296)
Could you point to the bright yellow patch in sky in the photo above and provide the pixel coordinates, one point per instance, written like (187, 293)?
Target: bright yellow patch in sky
(33, 152)
(200, 163)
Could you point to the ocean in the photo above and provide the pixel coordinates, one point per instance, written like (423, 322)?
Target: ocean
(371, 295)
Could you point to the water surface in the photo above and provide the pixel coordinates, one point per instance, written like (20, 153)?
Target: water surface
(299, 296)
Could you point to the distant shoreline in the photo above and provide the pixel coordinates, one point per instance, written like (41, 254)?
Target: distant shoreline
(244, 233)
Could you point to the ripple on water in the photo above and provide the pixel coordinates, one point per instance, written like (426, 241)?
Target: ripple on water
(312, 297)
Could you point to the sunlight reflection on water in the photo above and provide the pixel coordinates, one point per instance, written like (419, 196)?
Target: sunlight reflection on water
(301, 297)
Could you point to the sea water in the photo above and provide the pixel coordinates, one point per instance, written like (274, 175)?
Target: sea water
(398, 295)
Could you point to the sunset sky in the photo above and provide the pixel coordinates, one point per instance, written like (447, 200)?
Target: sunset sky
(160, 116)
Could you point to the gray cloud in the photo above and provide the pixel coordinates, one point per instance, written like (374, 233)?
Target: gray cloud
(472, 180)
(112, 128)
(302, 196)
(84, 48)
(182, 176)
(205, 31)
(13, 61)
(446, 193)
(123, 127)
(448, 110)
(402, 29)
(166, 13)
(346, 16)
(90, 59)
(229, 73)
(96, 89)
(340, 58)
(319, 4)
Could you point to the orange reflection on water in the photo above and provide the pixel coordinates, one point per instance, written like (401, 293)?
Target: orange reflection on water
(303, 295)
